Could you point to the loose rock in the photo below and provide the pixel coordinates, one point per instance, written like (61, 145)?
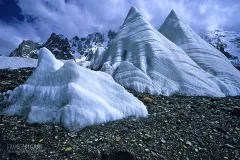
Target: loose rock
(147, 100)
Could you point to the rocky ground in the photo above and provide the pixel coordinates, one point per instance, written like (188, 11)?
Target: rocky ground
(176, 128)
(10, 79)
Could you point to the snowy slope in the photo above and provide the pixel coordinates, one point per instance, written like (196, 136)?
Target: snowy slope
(228, 42)
(72, 96)
(16, 62)
(204, 54)
(153, 64)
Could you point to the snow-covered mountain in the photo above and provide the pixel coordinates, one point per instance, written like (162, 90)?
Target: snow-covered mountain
(62, 47)
(70, 95)
(228, 42)
(59, 46)
(86, 47)
(27, 49)
(202, 53)
(142, 59)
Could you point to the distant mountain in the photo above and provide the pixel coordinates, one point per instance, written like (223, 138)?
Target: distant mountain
(61, 47)
(86, 47)
(228, 42)
(26, 49)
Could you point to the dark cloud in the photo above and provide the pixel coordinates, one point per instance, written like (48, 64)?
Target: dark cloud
(80, 17)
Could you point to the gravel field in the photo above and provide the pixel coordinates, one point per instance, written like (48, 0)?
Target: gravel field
(177, 127)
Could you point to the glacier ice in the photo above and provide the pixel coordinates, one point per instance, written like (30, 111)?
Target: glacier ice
(142, 59)
(16, 62)
(202, 53)
(22, 62)
(70, 95)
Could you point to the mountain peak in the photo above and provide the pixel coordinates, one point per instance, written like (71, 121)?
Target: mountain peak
(173, 15)
(27, 49)
(76, 38)
(173, 20)
(133, 9)
(59, 36)
(172, 23)
(133, 13)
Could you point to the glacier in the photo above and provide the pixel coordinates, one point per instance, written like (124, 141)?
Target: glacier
(23, 62)
(202, 53)
(17, 62)
(142, 59)
(70, 95)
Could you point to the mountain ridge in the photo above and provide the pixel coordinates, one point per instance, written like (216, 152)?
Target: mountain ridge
(62, 47)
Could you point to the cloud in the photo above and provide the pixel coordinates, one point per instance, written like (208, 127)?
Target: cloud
(81, 17)
(13, 34)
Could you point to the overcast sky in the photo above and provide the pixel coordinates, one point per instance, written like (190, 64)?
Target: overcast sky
(37, 19)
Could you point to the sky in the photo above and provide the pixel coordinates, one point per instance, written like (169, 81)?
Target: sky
(37, 19)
